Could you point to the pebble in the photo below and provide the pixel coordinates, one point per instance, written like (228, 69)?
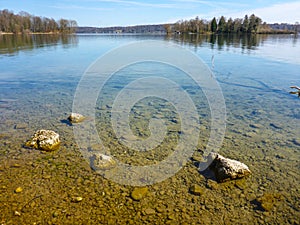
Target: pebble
(18, 190)
(196, 190)
(46, 176)
(149, 211)
(241, 184)
(16, 165)
(160, 209)
(21, 126)
(103, 162)
(275, 169)
(76, 118)
(212, 184)
(55, 214)
(171, 217)
(77, 199)
(138, 193)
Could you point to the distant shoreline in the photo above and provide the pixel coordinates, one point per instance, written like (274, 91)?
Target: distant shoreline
(111, 31)
(94, 33)
(29, 33)
(161, 29)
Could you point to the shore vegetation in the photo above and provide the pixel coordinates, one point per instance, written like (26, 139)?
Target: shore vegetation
(23, 22)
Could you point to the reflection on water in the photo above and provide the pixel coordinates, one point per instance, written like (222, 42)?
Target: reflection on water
(36, 92)
(263, 44)
(12, 44)
(220, 41)
(286, 50)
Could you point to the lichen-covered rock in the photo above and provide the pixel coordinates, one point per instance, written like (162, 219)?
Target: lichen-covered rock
(227, 169)
(76, 118)
(46, 140)
(103, 162)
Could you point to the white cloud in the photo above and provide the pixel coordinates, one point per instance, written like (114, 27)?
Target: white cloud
(279, 13)
(136, 3)
(79, 7)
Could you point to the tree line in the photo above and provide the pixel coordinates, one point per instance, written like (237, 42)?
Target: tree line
(252, 24)
(24, 22)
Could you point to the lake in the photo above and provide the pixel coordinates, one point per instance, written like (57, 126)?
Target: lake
(40, 75)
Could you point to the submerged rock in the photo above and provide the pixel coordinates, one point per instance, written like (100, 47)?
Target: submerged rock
(149, 211)
(76, 199)
(76, 118)
(103, 162)
(46, 140)
(268, 201)
(227, 169)
(138, 193)
(196, 190)
(18, 190)
(21, 126)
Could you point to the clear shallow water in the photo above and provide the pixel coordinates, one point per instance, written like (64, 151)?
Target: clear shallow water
(38, 79)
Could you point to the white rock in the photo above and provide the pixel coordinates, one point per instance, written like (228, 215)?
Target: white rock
(76, 118)
(103, 162)
(46, 140)
(227, 169)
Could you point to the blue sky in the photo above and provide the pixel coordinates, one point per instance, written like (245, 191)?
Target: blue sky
(102, 13)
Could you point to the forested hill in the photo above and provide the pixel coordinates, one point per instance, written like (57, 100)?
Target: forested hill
(246, 25)
(142, 29)
(161, 29)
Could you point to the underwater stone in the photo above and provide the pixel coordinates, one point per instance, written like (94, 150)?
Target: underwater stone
(149, 211)
(138, 193)
(76, 199)
(269, 201)
(18, 190)
(227, 169)
(103, 162)
(196, 190)
(21, 126)
(46, 140)
(76, 118)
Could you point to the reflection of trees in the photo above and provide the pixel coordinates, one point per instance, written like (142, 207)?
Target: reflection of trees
(243, 41)
(11, 44)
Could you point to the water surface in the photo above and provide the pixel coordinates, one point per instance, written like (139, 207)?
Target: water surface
(38, 78)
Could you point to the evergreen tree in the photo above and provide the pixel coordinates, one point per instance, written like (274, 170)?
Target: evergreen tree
(230, 26)
(252, 25)
(222, 25)
(237, 25)
(257, 26)
(213, 25)
(245, 25)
